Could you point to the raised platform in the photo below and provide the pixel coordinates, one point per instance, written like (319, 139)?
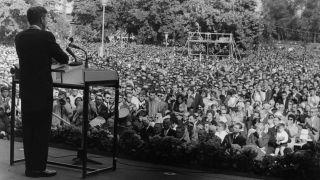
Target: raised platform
(126, 169)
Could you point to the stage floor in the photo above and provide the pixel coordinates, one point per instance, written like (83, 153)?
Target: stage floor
(126, 169)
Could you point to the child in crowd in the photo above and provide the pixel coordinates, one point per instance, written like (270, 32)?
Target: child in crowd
(282, 138)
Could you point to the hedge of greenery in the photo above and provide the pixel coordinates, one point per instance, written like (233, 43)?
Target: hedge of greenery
(169, 150)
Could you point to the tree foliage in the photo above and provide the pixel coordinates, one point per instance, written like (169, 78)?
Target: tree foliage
(149, 20)
(292, 19)
(13, 18)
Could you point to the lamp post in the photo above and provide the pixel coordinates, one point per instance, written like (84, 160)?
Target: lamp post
(104, 4)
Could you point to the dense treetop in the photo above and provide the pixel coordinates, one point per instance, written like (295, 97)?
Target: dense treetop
(148, 20)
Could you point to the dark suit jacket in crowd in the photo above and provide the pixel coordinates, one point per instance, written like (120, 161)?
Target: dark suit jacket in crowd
(171, 132)
(146, 132)
(231, 139)
(269, 95)
(198, 100)
(297, 97)
(35, 49)
(256, 140)
(102, 111)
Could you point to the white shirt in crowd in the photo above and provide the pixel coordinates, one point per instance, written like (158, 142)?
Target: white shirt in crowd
(135, 101)
(259, 96)
(282, 137)
(221, 134)
(313, 101)
(233, 101)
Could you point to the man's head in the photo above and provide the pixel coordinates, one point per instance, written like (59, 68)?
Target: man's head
(74, 92)
(221, 126)
(129, 89)
(99, 99)
(5, 91)
(152, 95)
(37, 16)
(166, 123)
(281, 127)
(107, 97)
(284, 94)
(237, 127)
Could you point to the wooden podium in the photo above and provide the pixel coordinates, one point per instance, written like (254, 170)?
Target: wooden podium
(79, 75)
(75, 77)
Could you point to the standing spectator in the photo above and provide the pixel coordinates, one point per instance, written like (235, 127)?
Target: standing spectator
(61, 109)
(153, 104)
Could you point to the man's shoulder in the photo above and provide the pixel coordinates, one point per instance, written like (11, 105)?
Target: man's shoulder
(34, 32)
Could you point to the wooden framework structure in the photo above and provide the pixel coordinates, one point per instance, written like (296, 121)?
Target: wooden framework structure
(215, 44)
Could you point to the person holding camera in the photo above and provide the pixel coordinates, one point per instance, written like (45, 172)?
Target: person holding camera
(62, 111)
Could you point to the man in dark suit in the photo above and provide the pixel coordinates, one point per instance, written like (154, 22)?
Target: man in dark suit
(147, 130)
(101, 108)
(296, 96)
(235, 138)
(35, 48)
(284, 99)
(167, 130)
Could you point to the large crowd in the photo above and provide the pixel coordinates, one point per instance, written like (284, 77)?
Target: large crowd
(269, 98)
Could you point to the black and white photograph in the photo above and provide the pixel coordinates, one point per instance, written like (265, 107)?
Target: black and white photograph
(160, 89)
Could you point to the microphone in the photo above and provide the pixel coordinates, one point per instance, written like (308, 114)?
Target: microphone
(71, 53)
(75, 63)
(73, 45)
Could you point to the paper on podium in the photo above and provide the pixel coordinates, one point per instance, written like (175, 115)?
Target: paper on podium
(77, 75)
(66, 74)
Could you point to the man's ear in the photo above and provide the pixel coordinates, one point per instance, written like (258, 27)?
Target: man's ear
(43, 22)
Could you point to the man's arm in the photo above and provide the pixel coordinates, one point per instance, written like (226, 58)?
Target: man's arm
(55, 51)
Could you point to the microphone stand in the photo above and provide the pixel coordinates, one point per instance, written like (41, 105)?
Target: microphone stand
(86, 64)
(78, 159)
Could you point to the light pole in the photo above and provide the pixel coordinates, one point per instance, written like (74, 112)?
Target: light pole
(104, 4)
(166, 37)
